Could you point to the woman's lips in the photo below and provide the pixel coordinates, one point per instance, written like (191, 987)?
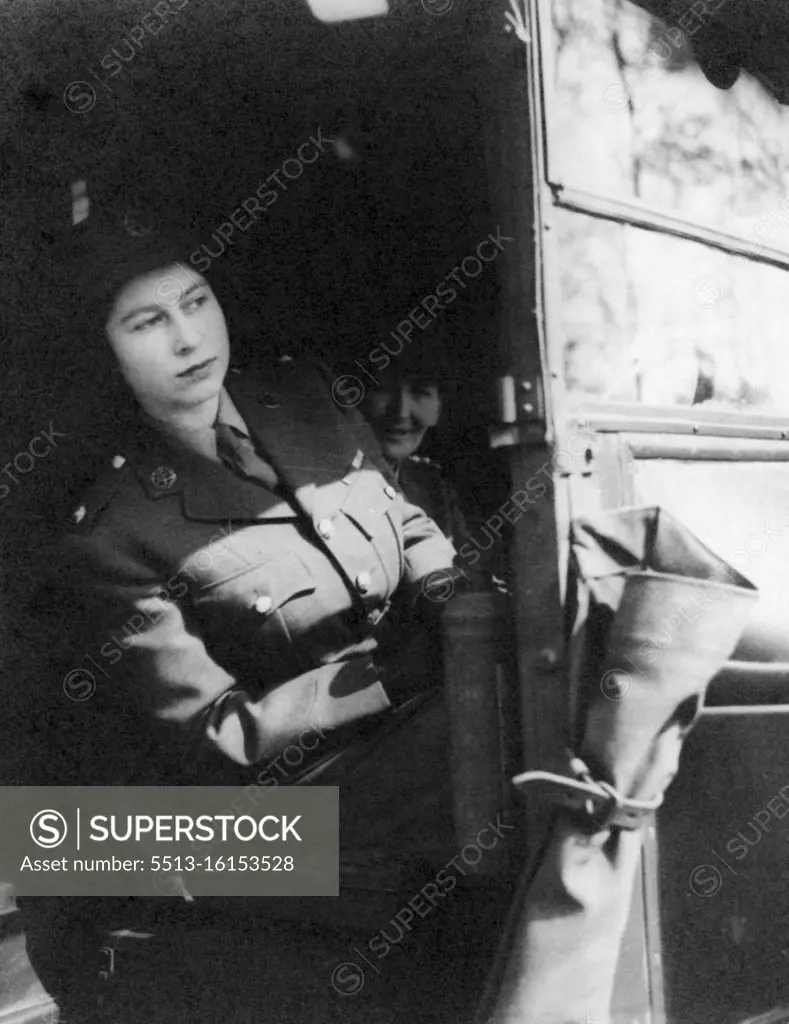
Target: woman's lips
(198, 369)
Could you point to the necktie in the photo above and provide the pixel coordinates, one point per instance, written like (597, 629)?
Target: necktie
(238, 453)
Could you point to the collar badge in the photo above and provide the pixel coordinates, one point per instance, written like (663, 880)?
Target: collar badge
(137, 224)
(163, 478)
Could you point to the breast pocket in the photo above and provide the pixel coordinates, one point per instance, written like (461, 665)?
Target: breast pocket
(275, 599)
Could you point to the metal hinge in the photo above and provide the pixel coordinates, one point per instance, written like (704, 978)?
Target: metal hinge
(520, 412)
(520, 401)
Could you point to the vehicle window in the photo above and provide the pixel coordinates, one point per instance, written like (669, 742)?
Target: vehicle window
(753, 536)
(671, 139)
(654, 319)
(653, 174)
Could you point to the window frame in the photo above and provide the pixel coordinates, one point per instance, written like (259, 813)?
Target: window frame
(552, 194)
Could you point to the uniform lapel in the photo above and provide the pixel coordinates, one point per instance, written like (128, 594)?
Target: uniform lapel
(310, 444)
(307, 441)
(213, 492)
(208, 490)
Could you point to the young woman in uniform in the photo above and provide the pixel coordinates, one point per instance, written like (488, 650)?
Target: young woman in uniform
(225, 589)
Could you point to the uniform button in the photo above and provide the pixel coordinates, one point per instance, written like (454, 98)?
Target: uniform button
(263, 604)
(118, 462)
(363, 582)
(80, 514)
(389, 491)
(326, 528)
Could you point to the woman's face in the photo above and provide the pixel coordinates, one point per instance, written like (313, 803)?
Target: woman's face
(401, 412)
(168, 333)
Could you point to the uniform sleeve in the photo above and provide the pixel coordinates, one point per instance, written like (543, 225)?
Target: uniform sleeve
(153, 669)
(427, 550)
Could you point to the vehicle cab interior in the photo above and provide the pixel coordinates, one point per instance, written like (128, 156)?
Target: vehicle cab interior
(343, 166)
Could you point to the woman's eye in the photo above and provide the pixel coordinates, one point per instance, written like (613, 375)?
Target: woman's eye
(196, 302)
(152, 321)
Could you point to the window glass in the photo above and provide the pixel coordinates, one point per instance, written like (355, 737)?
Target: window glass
(650, 318)
(631, 115)
(753, 535)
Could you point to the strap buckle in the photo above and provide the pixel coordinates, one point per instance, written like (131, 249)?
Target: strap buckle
(600, 805)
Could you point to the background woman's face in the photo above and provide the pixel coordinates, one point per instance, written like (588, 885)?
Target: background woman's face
(401, 412)
(168, 333)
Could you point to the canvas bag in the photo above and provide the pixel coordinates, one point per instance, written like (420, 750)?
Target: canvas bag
(652, 615)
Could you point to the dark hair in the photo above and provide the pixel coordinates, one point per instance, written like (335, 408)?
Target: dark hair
(423, 364)
(117, 243)
(98, 399)
(371, 345)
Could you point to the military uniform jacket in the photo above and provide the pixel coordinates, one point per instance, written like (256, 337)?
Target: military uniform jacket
(220, 622)
(424, 484)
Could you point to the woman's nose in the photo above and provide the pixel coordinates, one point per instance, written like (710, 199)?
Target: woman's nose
(404, 404)
(186, 337)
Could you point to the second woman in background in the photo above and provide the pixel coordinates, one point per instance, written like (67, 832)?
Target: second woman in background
(402, 407)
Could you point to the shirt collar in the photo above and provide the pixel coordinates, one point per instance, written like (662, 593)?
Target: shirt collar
(202, 440)
(228, 413)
